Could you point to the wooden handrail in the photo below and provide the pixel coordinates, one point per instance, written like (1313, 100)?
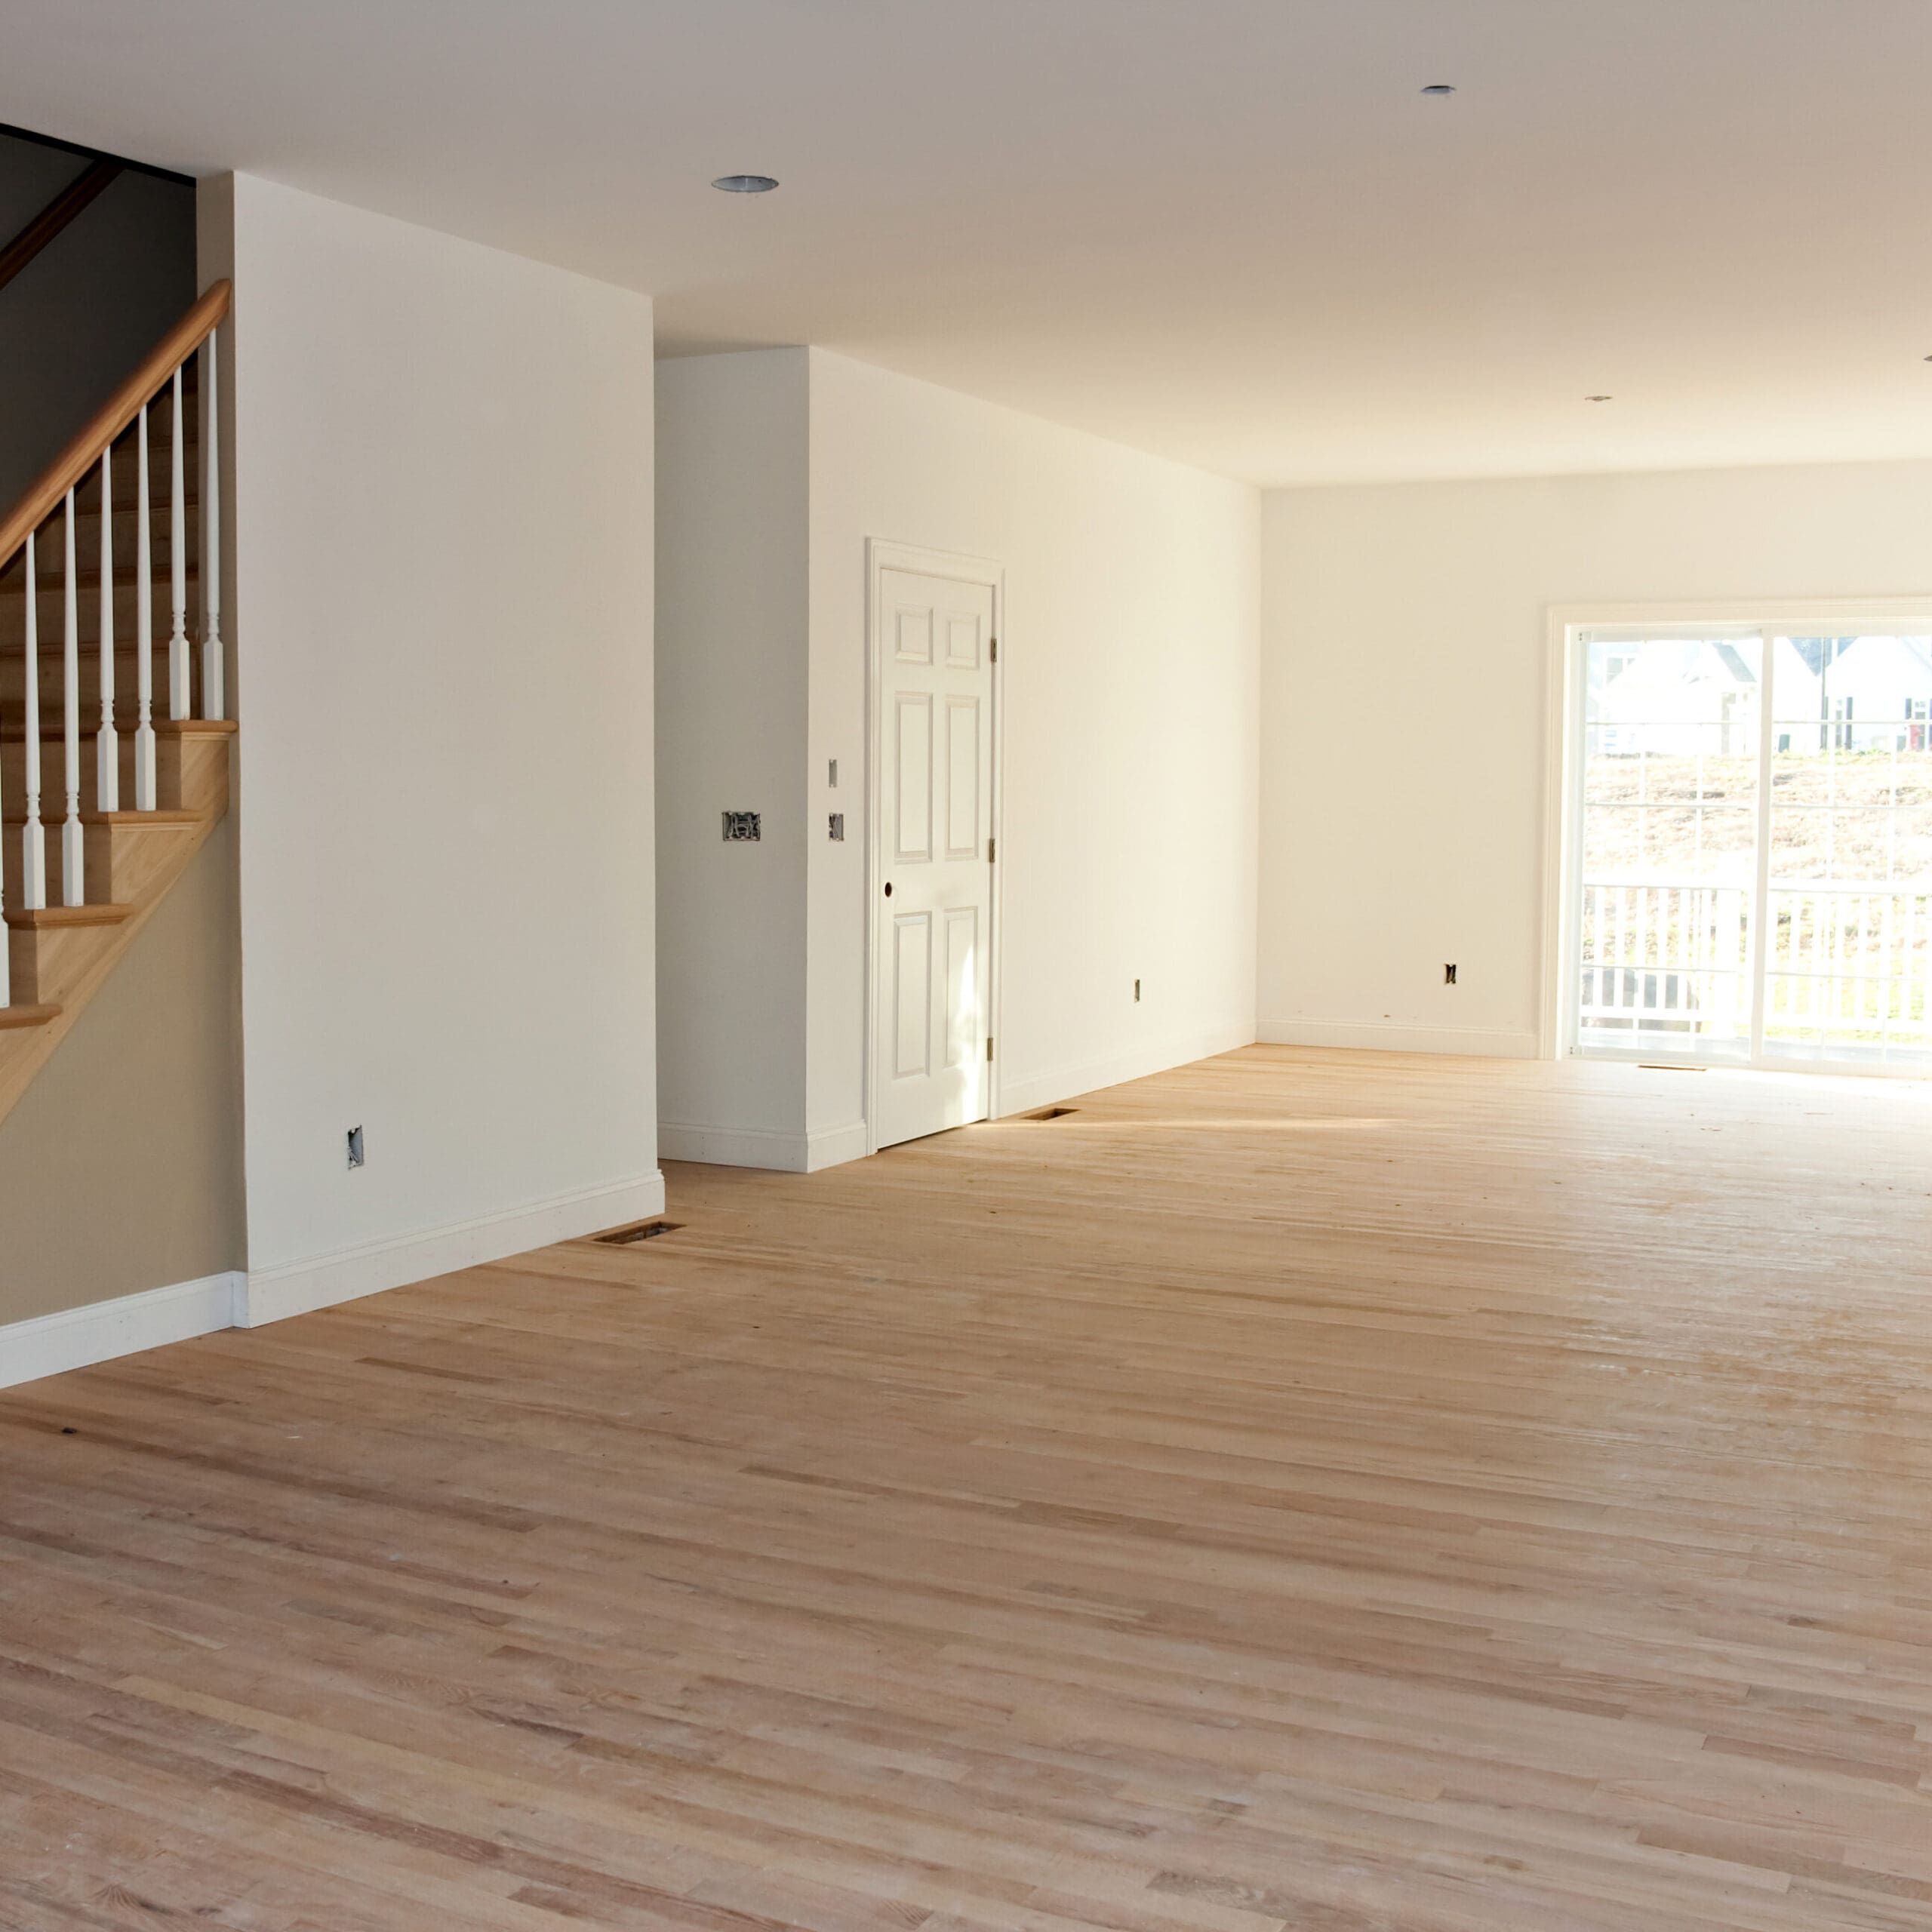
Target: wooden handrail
(52, 218)
(84, 452)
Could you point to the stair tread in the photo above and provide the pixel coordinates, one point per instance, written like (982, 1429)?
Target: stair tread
(53, 582)
(27, 1016)
(167, 818)
(46, 918)
(15, 731)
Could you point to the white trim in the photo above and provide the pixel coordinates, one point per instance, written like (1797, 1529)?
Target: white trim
(1063, 1083)
(1762, 937)
(883, 554)
(758, 1147)
(731, 1146)
(79, 1337)
(1563, 775)
(298, 1287)
(1560, 823)
(833, 1146)
(1386, 1037)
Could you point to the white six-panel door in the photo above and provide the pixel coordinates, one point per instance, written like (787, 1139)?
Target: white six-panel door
(932, 822)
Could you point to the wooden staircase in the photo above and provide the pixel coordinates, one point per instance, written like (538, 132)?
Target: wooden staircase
(149, 779)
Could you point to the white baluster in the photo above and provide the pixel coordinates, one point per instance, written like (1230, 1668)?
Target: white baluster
(1649, 993)
(33, 837)
(6, 976)
(144, 787)
(210, 563)
(1621, 952)
(177, 557)
(1908, 907)
(107, 743)
(73, 882)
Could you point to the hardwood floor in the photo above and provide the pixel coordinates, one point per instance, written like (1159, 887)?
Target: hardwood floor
(1351, 1493)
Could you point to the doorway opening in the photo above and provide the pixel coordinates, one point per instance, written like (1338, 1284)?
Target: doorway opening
(1747, 834)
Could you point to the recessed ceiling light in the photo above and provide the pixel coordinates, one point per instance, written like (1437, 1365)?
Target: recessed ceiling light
(745, 184)
(1439, 90)
(1599, 398)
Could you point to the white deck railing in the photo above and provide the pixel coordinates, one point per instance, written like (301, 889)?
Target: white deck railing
(1660, 955)
(1848, 963)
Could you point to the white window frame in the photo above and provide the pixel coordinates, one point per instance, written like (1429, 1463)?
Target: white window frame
(1565, 685)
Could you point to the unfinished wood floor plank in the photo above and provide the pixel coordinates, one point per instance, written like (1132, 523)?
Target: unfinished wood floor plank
(1313, 1491)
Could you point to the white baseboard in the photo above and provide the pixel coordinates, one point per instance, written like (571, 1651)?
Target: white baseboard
(833, 1146)
(757, 1147)
(298, 1287)
(733, 1146)
(1384, 1036)
(79, 1337)
(1020, 1095)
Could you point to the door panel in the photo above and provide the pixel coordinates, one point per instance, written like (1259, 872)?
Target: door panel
(912, 778)
(912, 634)
(963, 832)
(912, 994)
(933, 805)
(964, 1033)
(962, 642)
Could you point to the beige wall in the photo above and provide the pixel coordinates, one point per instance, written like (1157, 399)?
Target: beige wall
(121, 1167)
(1403, 711)
(730, 659)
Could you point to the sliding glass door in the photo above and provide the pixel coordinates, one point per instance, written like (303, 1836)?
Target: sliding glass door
(1752, 870)
(1849, 877)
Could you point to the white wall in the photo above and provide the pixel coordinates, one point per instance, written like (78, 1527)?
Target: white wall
(731, 664)
(1129, 657)
(1403, 710)
(441, 608)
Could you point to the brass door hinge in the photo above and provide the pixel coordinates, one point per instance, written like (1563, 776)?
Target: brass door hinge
(989, 1046)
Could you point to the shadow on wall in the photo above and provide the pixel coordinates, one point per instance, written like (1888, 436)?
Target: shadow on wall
(84, 312)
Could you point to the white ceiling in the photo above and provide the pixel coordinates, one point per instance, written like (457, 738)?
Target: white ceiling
(1232, 231)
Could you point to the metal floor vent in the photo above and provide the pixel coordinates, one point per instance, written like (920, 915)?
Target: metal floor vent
(1050, 1113)
(639, 1231)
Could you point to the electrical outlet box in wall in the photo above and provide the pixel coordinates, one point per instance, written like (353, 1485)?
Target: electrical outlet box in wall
(356, 1156)
(835, 826)
(742, 828)
(1448, 976)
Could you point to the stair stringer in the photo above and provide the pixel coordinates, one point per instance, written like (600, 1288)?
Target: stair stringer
(79, 959)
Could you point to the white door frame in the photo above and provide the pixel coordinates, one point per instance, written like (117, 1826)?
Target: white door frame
(881, 555)
(1563, 774)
